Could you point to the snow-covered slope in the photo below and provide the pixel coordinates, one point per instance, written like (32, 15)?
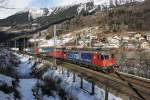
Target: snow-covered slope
(6, 80)
(26, 86)
(35, 13)
(4, 96)
(25, 66)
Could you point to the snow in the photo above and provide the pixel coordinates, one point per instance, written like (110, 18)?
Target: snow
(4, 96)
(92, 10)
(5, 58)
(26, 85)
(39, 65)
(81, 7)
(15, 49)
(39, 12)
(59, 42)
(45, 97)
(73, 88)
(5, 80)
(50, 11)
(24, 68)
(25, 89)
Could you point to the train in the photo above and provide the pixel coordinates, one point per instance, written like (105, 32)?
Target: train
(91, 59)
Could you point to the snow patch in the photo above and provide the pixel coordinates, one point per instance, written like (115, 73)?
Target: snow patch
(25, 66)
(45, 97)
(4, 96)
(6, 80)
(81, 7)
(26, 86)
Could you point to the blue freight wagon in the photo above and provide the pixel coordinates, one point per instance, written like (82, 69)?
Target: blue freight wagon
(86, 57)
(46, 50)
(73, 55)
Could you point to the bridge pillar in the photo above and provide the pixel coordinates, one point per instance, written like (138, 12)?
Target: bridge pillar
(93, 88)
(62, 70)
(106, 92)
(74, 77)
(68, 73)
(59, 68)
(81, 85)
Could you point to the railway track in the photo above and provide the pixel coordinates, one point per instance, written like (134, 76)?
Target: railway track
(135, 87)
(132, 89)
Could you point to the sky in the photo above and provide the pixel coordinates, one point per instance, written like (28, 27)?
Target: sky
(20, 5)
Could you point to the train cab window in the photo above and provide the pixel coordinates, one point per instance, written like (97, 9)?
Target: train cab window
(104, 57)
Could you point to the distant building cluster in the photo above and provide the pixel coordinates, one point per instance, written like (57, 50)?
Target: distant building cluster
(88, 37)
(133, 40)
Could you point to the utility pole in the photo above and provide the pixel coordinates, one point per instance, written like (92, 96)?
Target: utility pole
(8, 44)
(54, 43)
(90, 45)
(76, 41)
(34, 41)
(24, 44)
(15, 44)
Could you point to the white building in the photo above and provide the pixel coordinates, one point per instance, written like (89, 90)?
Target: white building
(145, 45)
(147, 36)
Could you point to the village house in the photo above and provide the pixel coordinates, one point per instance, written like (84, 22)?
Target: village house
(147, 36)
(125, 39)
(145, 45)
(114, 40)
(137, 35)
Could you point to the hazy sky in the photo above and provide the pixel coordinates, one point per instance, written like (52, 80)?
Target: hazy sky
(24, 4)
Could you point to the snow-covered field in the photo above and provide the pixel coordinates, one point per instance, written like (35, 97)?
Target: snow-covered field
(6, 59)
(25, 89)
(4, 96)
(6, 63)
(59, 42)
(26, 85)
(24, 68)
(6, 80)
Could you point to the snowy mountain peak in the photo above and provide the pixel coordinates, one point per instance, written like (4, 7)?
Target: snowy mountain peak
(35, 13)
(85, 7)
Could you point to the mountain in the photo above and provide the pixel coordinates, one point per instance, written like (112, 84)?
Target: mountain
(33, 20)
(118, 16)
(18, 18)
(46, 16)
(35, 13)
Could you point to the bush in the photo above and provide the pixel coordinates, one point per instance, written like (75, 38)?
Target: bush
(49, 86)
(48, 37)
(6, 89)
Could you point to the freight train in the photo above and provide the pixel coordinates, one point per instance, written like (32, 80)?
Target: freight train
(91, 59)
